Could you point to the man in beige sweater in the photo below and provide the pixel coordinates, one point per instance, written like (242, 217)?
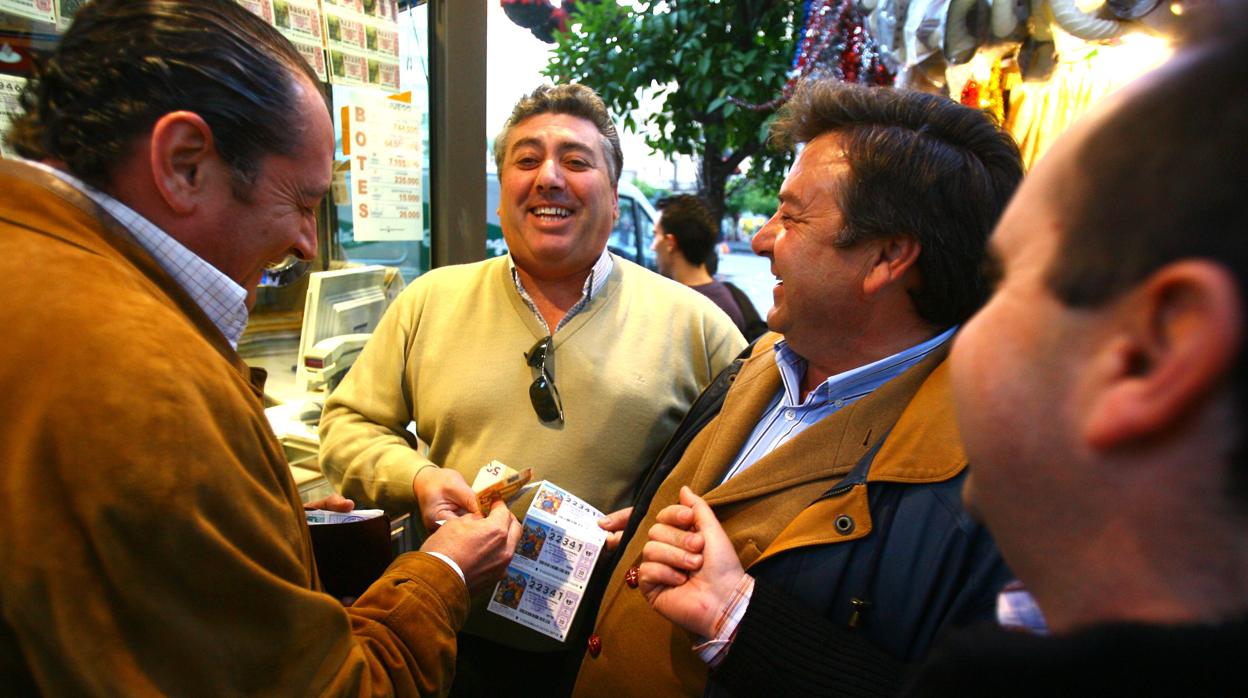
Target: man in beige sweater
(152, 540)
(558, 357)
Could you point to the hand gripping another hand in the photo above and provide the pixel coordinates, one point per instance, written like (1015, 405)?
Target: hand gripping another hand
(689, 567)
(481, 546)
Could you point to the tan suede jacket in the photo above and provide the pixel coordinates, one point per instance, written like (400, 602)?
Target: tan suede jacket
(768, 510)
(151, 537)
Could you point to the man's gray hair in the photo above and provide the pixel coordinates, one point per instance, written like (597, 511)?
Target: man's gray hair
(572, 99)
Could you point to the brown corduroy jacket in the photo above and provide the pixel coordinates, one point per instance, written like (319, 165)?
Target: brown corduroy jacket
(767, 509)
(151, 537)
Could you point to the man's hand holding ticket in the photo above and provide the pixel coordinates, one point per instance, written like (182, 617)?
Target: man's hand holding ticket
(559, 544)
(443, 494)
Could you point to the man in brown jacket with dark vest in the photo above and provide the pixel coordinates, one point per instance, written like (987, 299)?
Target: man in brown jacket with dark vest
(151, 537)
(834, 463)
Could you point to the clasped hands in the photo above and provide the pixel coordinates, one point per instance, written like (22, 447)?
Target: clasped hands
(689, 567)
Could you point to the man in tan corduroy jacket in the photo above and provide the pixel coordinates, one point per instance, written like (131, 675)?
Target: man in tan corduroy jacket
(833, 463)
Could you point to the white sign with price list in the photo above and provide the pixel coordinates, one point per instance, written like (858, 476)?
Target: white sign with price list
(546, 579)
(382, 140)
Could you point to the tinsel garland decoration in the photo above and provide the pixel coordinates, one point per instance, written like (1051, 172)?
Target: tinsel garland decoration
(995, 96)
(835, 43)
(989, 96)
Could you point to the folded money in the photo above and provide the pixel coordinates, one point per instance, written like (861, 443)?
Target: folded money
(498, 481)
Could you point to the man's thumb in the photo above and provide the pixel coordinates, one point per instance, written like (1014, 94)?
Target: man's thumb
(703, 518)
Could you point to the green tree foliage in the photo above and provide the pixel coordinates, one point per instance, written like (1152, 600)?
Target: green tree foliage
(750, 195)
(652, 193)
(691, 56)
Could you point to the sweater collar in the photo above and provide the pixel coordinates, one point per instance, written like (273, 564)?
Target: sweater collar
(593, 284)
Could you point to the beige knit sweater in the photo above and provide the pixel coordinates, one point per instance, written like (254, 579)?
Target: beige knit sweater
(449, 356)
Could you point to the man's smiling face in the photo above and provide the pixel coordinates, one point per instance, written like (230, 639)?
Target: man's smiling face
(557, 203)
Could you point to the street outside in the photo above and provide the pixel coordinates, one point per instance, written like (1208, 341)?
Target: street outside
(750, 273)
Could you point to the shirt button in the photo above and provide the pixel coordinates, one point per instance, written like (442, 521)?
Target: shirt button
(839, 403)
(790, 414)
(595, 645)
(630, 577)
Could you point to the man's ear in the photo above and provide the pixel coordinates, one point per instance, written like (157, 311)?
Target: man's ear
(181, 147)
(894, 257)
(1180, 336)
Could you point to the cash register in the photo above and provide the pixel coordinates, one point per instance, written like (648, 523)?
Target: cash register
(342, 308)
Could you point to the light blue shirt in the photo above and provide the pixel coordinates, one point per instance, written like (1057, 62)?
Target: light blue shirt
(593, 284)
(788, 415)
(219, 296)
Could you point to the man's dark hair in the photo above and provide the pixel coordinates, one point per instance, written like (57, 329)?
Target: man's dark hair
(123, 64)
(1162, 179)
(689, 219)
(572, 99)
(919, 165)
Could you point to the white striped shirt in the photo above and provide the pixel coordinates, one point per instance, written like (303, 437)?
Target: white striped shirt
(788, 415)
(593, 284)
(220, 297)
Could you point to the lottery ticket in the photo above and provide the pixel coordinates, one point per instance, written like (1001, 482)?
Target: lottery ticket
(558, 547)
(563, 552)
(536, 602)
(560, 504)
